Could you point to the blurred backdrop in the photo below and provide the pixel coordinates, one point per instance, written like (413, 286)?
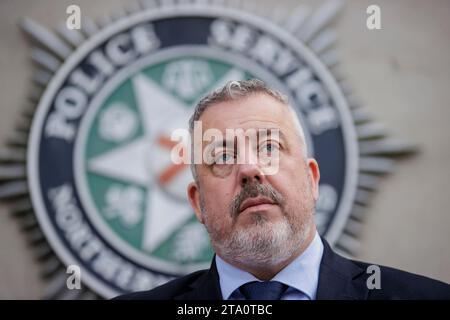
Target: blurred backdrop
(401, 73)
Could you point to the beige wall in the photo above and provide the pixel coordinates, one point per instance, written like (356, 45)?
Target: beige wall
(402, 73)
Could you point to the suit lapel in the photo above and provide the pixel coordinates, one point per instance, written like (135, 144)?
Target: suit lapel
(340, 278)
(206, 287)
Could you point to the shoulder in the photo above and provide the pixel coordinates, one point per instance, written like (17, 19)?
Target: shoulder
(399, 284)
(357, 279)
(167, 291)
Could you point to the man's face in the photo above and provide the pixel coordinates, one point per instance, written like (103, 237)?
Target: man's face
(252, 216)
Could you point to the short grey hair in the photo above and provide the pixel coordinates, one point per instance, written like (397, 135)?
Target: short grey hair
(235, 90)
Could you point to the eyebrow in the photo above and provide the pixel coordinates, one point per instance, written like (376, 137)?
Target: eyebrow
(223, 143)
(280, 133)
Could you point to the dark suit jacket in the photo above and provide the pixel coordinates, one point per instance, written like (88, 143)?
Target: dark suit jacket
(339, 278)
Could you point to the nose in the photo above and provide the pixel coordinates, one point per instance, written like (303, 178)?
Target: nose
(250, 173)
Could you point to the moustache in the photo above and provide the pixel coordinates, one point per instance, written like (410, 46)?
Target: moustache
(252, 191)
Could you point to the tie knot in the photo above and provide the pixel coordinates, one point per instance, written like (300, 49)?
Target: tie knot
(267, 290)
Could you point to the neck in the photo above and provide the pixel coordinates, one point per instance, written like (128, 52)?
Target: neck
(267, 272)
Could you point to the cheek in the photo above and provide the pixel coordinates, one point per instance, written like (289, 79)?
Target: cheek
(218, 220)
(288, 174)
(292, 181)
(217, 203)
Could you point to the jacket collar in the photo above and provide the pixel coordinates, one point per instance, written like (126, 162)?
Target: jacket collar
(205, 287)
(339, 279)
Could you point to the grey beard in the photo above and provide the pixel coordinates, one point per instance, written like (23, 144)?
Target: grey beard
(264, 243)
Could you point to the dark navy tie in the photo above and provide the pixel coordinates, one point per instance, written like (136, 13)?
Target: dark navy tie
(267, 290)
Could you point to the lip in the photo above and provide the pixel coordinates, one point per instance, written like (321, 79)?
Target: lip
(253, 202)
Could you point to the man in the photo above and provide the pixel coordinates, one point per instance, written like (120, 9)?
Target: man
(260, 220)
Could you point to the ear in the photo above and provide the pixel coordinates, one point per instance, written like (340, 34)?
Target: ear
(193, 194)
(314, 174)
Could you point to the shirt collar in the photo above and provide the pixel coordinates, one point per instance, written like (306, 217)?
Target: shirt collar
(301, 274)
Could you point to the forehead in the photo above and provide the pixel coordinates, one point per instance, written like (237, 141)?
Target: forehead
(255, 111)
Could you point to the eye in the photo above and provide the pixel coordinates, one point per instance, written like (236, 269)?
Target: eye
(224, 158)
(269, 147)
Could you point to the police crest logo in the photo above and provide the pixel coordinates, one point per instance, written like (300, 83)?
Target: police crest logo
(104, 191)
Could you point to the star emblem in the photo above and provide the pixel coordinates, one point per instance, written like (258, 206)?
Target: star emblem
(147, 159)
